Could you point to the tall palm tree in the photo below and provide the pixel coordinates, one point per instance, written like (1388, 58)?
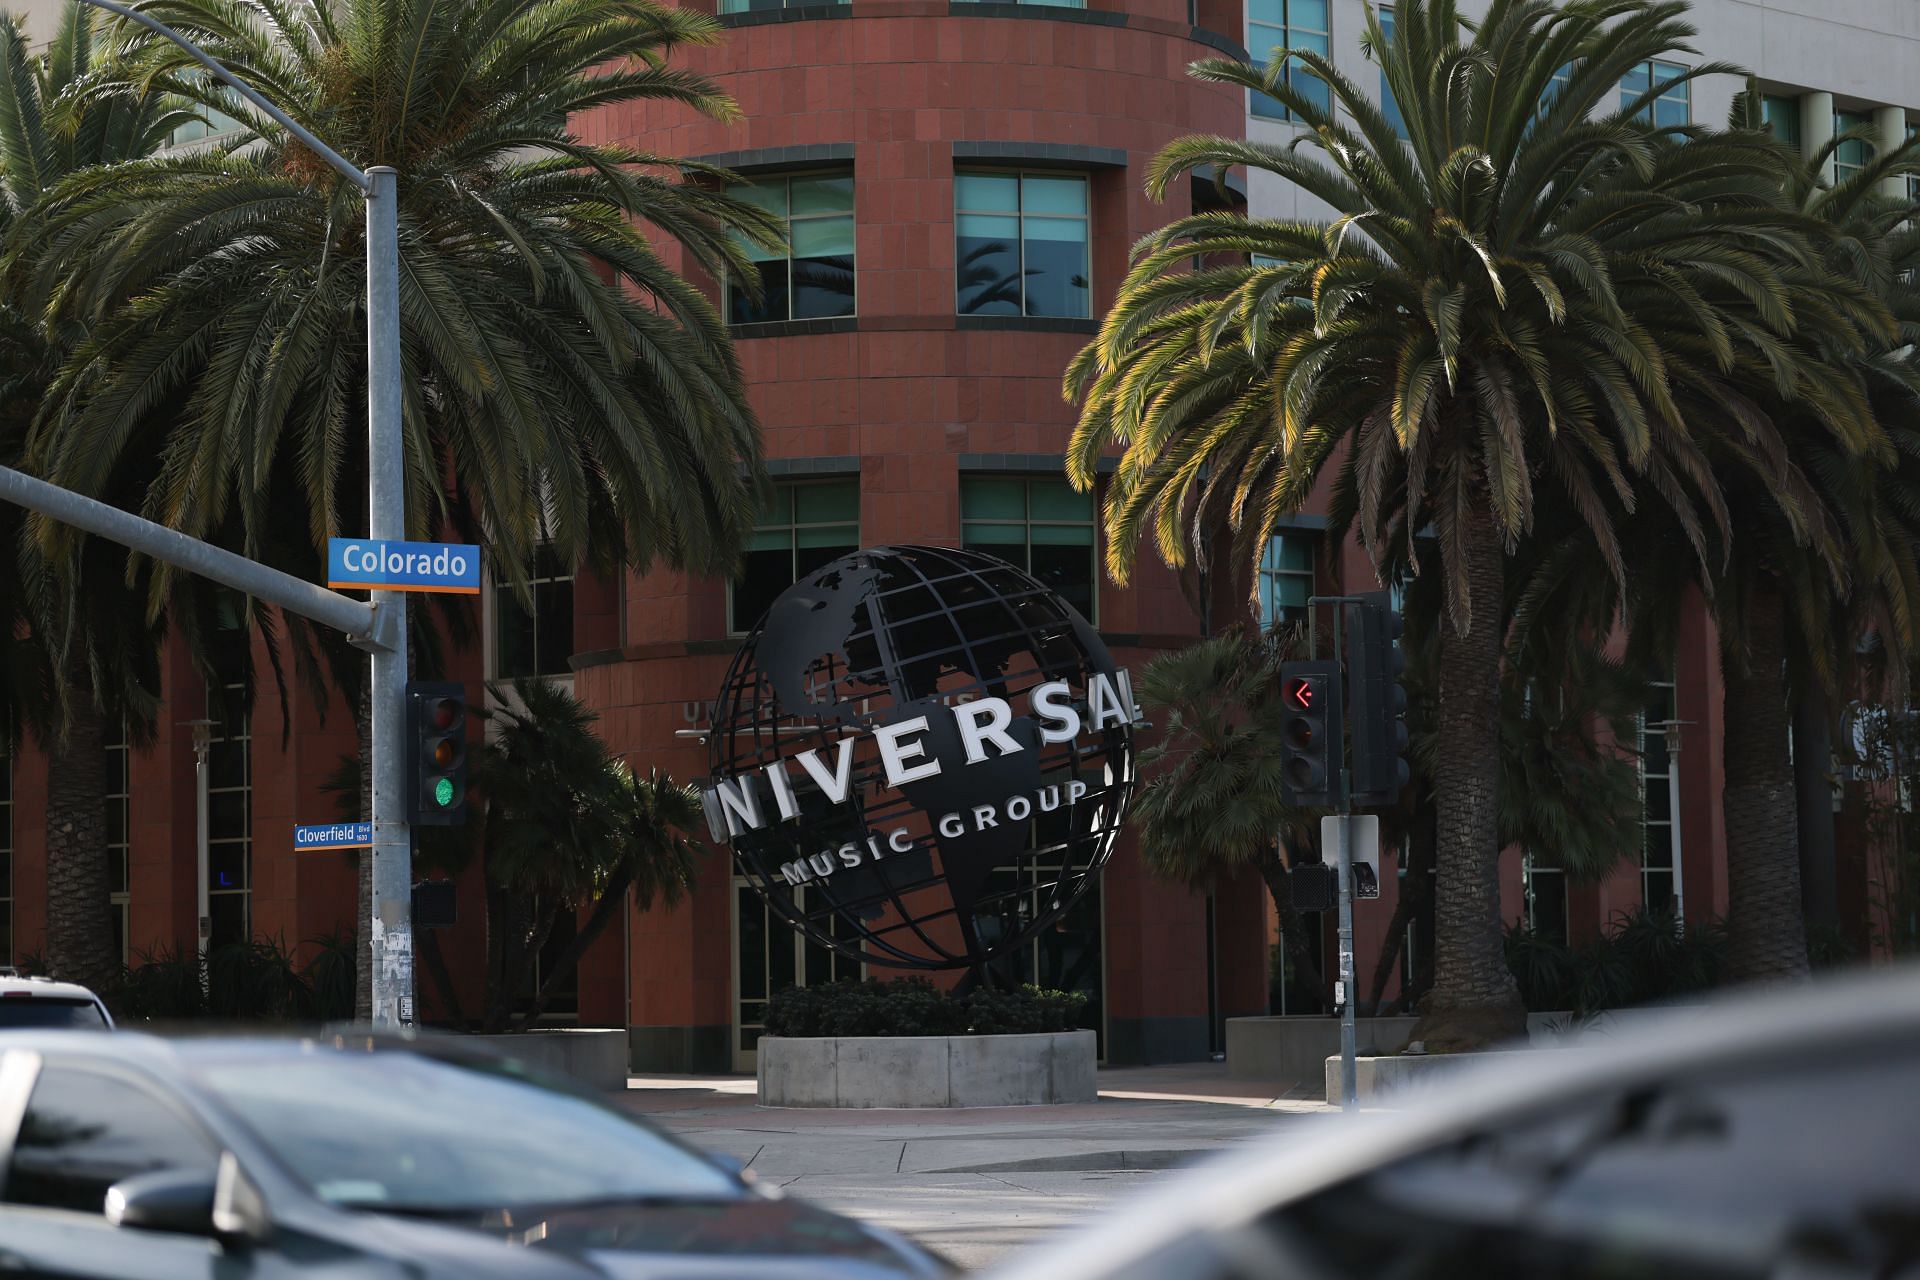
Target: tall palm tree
(79, 651)
(563, 385)
(1526, 295)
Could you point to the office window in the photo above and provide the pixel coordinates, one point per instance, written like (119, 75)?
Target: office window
(6, 853)
(119, 811)
(1290, 24)
(230, 804)
(1286, 579)
(1390, 106)
(1042, 526)
(1852, 156)
(1658, 862)
(1545, 888)
(212, 124)
(803, 525)
(812, 277)
(1020, 244)
(1674, 106)
(1782, 114)
(762, 6)
(1057, 4)
(540, 642)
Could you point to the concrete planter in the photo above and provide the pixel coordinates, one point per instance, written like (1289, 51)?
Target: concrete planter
(927, 1071)
(1290, 1049)
(591, 1056)
(1378, 1079)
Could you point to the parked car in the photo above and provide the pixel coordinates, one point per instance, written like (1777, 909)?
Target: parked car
(42, 1002)
(356, 1154)
(1769, 1135)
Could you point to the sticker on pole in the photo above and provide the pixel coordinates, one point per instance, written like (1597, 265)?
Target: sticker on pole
(333, 835)
(379, 565)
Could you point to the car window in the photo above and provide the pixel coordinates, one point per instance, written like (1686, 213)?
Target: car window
(46, 1011)
(400, 1131)
(1797, 1167)
(85, 1130)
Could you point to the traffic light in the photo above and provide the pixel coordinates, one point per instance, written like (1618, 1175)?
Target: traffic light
(1311, 759)
(1375, 665)
(436, 753)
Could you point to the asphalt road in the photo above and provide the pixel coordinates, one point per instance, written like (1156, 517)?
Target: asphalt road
(975, 1183)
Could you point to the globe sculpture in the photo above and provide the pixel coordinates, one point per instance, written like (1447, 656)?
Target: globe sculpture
(874, 791)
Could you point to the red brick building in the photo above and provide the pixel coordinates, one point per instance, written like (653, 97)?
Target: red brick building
(962, 182)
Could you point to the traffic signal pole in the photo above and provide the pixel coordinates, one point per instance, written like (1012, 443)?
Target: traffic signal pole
(1343, 865)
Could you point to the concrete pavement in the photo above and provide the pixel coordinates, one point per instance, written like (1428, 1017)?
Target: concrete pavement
(974, 1183)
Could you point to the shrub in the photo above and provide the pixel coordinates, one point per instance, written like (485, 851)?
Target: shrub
(915, 1007)
(254, 981)
(1644, 957)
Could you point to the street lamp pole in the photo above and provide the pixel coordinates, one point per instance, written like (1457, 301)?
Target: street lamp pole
(390, 928)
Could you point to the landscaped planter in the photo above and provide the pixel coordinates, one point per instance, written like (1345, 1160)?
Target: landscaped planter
(1290, 1049)
(927, 1071)
(592, 1056)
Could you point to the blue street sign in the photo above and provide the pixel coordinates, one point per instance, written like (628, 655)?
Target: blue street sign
(333, 835)
(373, 563)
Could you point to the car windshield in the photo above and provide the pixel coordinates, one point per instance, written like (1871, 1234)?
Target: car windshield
(50, 1011)
(400, 1132)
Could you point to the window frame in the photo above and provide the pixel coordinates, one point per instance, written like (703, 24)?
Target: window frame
(1027, 523)
(737, 628)
(722, 9)
(7, 758)
(786, 178)
(490, 660)
(1842, 122)
(1279, 572)
(1667, 688)
(1020, 174)
(220, 733)
(1286, 28)
(1659, 72)
(1791, 136)
(119, 853)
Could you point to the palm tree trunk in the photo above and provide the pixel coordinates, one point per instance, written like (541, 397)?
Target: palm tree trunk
(1813, 787)
(519, 970)
(612, 900)
(1766, 932)
(1293, 929)
(79, 914)
(1473, 1002)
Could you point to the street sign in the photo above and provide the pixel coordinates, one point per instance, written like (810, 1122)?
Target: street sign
(1366, 842)
(333, 835)
(380, 565)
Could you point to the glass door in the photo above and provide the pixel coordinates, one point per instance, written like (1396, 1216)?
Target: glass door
(769, 956)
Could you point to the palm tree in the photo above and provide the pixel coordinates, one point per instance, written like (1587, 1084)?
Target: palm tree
(563, 385)
(568, 827)
(1528, 294)
(79, 652)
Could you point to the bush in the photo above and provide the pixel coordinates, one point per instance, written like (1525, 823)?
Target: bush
(915, 1007)
(244, 982)
(1646, 956)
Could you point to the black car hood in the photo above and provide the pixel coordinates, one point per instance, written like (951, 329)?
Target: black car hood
(778, 1239)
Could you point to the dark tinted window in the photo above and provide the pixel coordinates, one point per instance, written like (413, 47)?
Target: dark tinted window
(39, 1011)
(1787, 1170)
(394, 1130)
(85, 1130)
(1797, 1168)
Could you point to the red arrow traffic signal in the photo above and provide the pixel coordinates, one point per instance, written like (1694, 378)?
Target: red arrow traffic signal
(1301, 692)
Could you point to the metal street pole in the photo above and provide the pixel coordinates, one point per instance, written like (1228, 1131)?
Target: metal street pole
(391, 927)
(1349, 1069)
(203, 911)
(383, 628)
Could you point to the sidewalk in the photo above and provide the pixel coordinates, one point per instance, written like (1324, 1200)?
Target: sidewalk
(973, 1183)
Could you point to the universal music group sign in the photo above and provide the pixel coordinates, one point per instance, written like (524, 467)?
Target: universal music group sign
(980, 727)
(904, 726)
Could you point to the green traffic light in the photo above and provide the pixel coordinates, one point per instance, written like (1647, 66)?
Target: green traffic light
(443, 792)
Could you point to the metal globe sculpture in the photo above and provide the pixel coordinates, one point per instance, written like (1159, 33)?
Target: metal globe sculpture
(921, 756)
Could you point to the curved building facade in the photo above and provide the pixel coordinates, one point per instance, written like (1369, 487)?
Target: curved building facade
(961, 183)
